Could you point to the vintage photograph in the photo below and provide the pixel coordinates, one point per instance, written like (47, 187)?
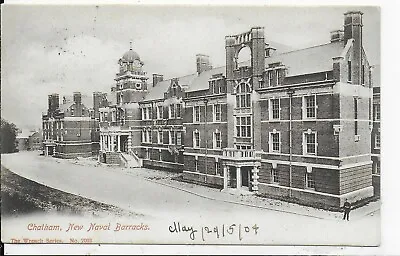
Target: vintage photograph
(231, 125)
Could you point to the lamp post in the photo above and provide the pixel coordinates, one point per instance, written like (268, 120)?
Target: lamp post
(290, 92)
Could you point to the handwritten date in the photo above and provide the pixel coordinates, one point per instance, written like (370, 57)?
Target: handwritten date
(217, 231)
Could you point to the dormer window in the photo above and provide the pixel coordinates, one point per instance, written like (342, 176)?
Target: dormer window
(270, 79)
(174, 90)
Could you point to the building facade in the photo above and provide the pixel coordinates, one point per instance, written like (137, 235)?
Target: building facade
(376, 130)
(71, 129)
(283, 124)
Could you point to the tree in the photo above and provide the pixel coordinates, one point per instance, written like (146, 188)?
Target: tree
(8, 134)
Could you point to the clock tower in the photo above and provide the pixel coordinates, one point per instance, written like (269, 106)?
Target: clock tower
(131, 80)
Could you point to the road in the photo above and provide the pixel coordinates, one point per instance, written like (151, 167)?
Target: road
(135, 193)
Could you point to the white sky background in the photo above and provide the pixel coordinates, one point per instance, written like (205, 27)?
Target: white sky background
(62, 49)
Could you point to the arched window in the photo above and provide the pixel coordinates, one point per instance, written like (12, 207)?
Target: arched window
(243, 98)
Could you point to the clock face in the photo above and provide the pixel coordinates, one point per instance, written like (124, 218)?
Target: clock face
(137, 63)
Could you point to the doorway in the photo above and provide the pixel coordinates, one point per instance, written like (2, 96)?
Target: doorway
(232, 177)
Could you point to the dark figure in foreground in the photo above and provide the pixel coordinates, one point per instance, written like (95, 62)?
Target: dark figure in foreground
(347, 208)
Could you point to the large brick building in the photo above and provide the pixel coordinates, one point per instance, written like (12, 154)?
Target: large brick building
(71, 129)
(285, 124)
(376, 130)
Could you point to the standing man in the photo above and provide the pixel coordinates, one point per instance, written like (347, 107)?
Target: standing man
(347, 208)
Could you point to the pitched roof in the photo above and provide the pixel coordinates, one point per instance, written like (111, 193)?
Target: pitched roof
(309, 60)
(298, 62)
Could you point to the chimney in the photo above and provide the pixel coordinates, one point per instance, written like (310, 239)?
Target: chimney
(157, 78)
(202, 63)
(53, 103)
(99, 101)
(56, 100)
(353, 30)
(77, 98)
(337, 35)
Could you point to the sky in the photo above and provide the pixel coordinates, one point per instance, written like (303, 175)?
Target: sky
(61, 49)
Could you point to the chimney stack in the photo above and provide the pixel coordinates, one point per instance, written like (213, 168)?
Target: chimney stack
(202, 63)
(54, 103)
(337, 35)
(157, 78)
(77, 98)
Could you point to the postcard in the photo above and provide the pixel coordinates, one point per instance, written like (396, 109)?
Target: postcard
(191, 125)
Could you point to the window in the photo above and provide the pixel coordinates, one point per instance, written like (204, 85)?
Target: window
(277, 76)
(196, 165)
(217, 139)
(275, 142)
(159, 137)
(159, 112)
(310, 181)
(377, 140)
(363, 74)
(172, 138)
(159, 155)
(178, 138)
(172, 111)
(147, 153)
(196, 114)
(196, 139)
(174, 90)
(275, 175)
(217, 113)
(178, 110)
(274, 109)
(243, 126)
(243, 96)
(355, 115)
(148, 136)
(165, 137)
(144, 114)
(270, 78)
(310, 143)
(377, 167)
(217, 167)
(310, 107)
(377, 112)
(349, 71)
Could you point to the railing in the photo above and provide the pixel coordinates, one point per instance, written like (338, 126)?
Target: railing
(139, 160)
(123, 158)
(241, 153)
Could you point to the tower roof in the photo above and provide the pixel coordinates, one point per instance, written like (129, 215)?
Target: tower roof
(130, 56)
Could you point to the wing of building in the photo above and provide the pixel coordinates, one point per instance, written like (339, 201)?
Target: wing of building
(283, 124)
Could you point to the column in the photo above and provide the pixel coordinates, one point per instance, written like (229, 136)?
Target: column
(47, 150)
(112, 143)
(130, 142)
(101, 143)
(225, 177)
(255, 178)
(119, 142)
(238, 177)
